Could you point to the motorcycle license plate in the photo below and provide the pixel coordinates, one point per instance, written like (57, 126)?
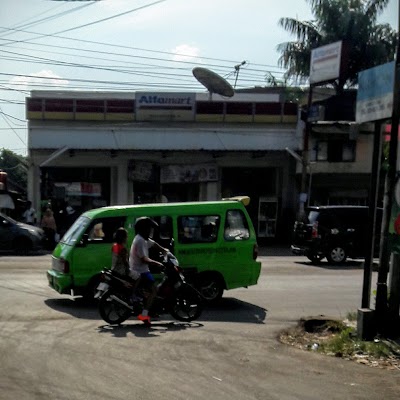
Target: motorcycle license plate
(103, 286)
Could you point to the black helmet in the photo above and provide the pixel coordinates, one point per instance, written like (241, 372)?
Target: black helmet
(144, 225)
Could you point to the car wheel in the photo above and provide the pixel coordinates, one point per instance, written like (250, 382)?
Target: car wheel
(337, 255)
(315, 258)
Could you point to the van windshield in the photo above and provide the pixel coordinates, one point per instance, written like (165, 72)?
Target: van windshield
(76, 230)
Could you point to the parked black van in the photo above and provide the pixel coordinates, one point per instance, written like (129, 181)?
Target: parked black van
(335, 232)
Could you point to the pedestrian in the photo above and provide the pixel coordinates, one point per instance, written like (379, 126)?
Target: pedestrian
(49, 227)
(29, 215)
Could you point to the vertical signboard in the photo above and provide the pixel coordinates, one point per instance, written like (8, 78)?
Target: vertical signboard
(375, 93)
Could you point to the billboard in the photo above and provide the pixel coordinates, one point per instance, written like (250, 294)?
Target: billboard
(325, 63)
(375, 93)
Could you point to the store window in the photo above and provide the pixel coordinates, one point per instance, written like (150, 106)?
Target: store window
(334, 151)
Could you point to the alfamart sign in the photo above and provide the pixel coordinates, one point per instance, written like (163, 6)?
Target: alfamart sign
(166, 106)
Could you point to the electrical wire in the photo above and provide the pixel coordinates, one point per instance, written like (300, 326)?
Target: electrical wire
(52, 17)
(16, 134)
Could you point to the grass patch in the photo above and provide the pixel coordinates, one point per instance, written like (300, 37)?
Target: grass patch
(341, 340)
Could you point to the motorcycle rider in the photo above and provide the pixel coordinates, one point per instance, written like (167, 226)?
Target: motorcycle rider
(139, 261)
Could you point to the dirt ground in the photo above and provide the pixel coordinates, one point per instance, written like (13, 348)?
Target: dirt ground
(300, 337)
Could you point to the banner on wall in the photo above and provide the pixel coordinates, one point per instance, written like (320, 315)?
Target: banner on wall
(189, 173)
(142, 171)
(79, 188)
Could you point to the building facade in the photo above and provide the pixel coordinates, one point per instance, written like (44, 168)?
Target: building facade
(92, 149)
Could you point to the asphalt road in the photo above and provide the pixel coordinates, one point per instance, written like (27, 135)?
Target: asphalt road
(53, 347)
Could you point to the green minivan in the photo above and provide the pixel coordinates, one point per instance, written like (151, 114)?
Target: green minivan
(214, 241)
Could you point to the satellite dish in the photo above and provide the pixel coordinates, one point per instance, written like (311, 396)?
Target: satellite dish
(213, 82)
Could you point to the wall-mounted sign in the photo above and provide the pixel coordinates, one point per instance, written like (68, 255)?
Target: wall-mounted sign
(169, 106)
(141, 171)
(375, 93)
(80, 188)
(188, 173)
(325, 62)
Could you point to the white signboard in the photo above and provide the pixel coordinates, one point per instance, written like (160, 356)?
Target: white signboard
(164, 106)
(325, 62)
(375, 93)
(188, 173)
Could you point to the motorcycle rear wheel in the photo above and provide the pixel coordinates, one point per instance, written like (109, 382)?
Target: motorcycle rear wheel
(111, 311)
(187, 305)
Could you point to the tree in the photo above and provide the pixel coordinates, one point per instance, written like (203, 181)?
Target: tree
(354, 22)
(16, 167)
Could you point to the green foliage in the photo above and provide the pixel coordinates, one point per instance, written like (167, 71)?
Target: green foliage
(352, 21)
(352, 316)
(16, 167)
(347, 344)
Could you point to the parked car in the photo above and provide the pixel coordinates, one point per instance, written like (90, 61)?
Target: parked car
(19, 237)
(335, 232)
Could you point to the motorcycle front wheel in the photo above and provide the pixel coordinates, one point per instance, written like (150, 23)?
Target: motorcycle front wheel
(187, 305)
(111, 311)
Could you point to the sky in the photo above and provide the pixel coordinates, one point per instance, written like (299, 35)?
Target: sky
(131, 45)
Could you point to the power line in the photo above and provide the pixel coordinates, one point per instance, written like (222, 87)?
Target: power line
(6, 120)
(88, 24)
(91, 42)
(41, 20)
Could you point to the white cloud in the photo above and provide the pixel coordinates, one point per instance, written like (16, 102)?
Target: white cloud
(185, 52)
(44, 78)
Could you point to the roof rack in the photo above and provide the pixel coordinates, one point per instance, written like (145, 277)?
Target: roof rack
(243, 199)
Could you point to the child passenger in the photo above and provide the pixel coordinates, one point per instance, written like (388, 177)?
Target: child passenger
(119, 263)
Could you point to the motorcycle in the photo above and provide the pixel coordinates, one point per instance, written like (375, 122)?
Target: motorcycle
(174, 296)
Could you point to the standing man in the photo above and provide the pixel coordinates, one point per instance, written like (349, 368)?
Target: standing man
(29, 215)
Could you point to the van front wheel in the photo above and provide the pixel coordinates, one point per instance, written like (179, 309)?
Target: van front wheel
(211, 286)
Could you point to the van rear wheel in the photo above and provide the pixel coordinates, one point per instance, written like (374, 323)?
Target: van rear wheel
(211, 286)
(337, 255)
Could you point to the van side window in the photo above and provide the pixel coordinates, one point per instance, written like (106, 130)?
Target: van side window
(236, 227)
(164, 230)
(101, 230)
(198, 228)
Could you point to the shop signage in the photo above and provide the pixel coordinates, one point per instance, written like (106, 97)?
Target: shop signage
(375, 93)
(325, 63)
(164, 106)
(80, 188)
(189, 173)
(141, 171)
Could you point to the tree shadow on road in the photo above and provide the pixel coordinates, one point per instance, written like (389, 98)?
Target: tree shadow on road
(139, 329)
(229, 309)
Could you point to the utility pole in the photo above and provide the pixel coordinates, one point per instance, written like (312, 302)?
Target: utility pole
(305, 155)
(381, 309)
